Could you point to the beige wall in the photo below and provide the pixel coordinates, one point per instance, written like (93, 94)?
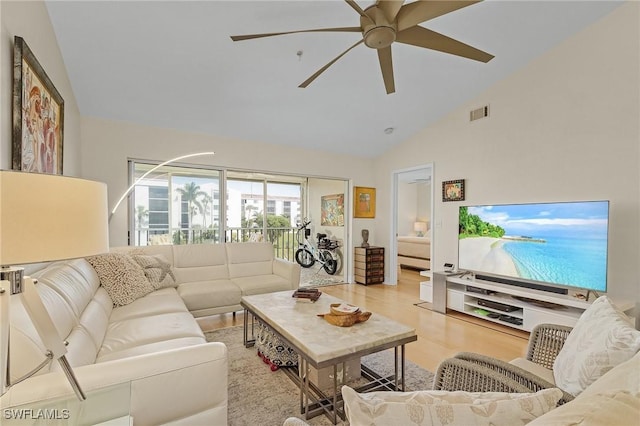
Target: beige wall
(107, 145)
(563, 128)
(30, 20)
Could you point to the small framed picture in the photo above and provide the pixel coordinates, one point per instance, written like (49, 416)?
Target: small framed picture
(453, 190)
(364, 202)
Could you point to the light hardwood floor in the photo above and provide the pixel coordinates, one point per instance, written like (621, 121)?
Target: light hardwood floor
(439, 336)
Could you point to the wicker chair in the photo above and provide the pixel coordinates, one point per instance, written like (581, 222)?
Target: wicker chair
(478, 373)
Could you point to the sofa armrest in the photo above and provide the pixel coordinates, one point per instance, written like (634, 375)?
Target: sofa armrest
(287, 270)
(165, 386)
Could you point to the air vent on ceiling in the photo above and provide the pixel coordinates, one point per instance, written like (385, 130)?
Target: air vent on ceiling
(479, 113)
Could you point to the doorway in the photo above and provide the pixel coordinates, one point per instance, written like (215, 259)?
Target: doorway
(411, 237)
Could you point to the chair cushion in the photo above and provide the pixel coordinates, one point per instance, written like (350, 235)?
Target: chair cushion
(447, 408)
(534, 368)
(121, 276)
(602, 338)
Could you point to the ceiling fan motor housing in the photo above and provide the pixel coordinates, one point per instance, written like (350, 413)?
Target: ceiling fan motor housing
(377, 31)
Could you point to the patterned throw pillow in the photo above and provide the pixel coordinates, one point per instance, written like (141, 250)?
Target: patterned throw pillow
(602, 338)
(121, 277)
(447, 408)
(157, 269)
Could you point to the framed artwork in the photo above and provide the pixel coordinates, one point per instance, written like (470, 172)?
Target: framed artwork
(332, 210)
(38, 115)
(364, 202)
(453, 190)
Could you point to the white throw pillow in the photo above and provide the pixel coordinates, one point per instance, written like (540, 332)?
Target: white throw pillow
(447, 408)
(602, 338)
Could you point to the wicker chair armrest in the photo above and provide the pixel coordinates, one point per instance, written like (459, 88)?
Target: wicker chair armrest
(529, 381)
(545, 342)
(455, 374)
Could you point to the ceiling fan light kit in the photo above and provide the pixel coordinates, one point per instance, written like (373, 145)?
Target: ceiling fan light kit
(391, 21)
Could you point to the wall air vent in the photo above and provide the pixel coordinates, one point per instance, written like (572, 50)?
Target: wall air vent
(479, 113)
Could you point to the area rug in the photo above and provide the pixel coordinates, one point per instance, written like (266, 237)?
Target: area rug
(317, 277)
(259, 396)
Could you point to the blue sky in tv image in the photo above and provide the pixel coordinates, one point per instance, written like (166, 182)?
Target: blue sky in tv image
(559, 243)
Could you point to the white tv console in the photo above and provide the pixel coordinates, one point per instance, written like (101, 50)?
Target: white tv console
(450, 291)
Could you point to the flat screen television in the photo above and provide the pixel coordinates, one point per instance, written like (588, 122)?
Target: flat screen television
(559, 245)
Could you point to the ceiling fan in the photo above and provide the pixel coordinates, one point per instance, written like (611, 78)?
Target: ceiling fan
(390, 21)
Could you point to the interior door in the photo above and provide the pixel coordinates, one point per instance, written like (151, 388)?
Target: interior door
(412, 217)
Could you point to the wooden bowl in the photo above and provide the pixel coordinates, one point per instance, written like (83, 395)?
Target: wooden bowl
(341, 320)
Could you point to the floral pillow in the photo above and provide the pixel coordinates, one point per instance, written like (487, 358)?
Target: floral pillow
(601, 339)
(121, 277)
(447, 408)
(157, 269)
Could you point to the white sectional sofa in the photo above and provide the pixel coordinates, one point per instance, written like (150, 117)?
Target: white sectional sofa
(212, 278)
(154, 343)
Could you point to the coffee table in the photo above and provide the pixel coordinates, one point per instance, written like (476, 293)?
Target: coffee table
(321, 345)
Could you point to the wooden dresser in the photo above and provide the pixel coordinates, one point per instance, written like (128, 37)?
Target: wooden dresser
(369, 265)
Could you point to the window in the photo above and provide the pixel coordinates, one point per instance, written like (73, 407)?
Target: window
(175, 205)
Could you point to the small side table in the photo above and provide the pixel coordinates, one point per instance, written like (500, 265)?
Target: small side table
(369, 265)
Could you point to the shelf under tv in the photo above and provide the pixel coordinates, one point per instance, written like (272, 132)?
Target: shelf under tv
(537, 306)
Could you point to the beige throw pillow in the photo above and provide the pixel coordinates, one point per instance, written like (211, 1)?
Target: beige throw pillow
(157, 269)
(447, 408)
(121, 276)
(602, 338)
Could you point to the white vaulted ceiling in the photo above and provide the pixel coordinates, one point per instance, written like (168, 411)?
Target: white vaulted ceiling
(171, 64)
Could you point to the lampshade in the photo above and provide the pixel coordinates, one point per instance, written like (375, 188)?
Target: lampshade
(420, 228)
(51, 217)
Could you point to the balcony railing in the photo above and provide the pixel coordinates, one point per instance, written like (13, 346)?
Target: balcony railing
(283, 239)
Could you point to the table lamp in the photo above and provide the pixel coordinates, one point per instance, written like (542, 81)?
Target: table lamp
(44, 218)
(420, 228)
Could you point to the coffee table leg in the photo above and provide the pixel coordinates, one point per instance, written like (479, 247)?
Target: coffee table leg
(335, 392)
(402, 360)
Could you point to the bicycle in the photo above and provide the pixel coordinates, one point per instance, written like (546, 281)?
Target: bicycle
(326, 253)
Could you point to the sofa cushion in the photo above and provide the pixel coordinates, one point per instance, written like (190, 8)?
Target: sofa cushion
(121, 276)
(261, 284)
(249, 259)
(601, 339)
(163, 301)
(209, 294)
(200, 262)
(150, 348)
(133, 332)
(157, 269)
(446, 408)
(610, 408)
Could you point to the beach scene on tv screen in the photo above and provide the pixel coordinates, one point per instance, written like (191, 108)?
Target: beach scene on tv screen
(560, 243)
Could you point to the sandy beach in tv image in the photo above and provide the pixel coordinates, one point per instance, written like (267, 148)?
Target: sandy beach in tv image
(561, 243)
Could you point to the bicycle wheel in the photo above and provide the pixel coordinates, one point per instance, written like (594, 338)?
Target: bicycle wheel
(330, 264)
(305, 258)
(337, 256)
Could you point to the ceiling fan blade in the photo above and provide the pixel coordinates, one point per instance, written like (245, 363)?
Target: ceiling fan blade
(422, 37)
(323, 69)
(386, 66)
(318, 30)
(358, 9)
(420, 11)
(390, 8)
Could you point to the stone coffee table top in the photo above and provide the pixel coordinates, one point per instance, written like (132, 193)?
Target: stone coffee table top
(321, 342)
